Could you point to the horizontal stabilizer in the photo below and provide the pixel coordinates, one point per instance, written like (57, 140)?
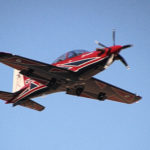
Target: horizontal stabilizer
(6, 96)
(31, 104)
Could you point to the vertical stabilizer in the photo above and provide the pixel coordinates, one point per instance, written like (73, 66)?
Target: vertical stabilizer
(18, 81)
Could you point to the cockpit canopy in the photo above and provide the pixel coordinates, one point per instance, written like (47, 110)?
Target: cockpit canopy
(70, 54)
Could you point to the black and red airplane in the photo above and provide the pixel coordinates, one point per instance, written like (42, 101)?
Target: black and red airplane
(72, 73)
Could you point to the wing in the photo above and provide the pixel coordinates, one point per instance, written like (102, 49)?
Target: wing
(97, 89)
(36, 70)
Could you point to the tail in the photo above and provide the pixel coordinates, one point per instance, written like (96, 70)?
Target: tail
(19, 81)
(6, 96)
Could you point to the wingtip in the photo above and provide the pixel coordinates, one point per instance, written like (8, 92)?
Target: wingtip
(41, 109)
(137, 99)
(128, 68)
(5, 55)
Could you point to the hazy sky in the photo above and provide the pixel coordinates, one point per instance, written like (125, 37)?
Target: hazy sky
(45, 29)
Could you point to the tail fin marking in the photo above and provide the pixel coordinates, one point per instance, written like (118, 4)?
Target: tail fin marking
(18, 81)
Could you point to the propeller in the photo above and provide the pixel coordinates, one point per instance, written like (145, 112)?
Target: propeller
(119, 57)
(110, 61)
(126, 46)
(100, 44)
(112, 56)
(114, 37)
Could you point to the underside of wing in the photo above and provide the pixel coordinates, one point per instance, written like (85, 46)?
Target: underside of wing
(97, 89)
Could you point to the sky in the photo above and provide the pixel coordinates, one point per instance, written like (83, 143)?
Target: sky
(45, 29)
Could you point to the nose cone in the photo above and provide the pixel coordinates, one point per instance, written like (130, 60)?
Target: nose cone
(116, 48)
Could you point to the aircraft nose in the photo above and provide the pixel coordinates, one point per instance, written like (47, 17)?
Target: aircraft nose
(116, 49)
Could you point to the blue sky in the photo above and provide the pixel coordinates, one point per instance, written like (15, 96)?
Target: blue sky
(45, 29)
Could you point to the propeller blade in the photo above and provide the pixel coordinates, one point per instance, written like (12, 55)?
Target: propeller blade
(114, 37)
(123, 61)
(126, 46)
(110, 61)
(100, 44)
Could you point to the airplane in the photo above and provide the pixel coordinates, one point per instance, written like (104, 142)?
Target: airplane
(71, 73)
